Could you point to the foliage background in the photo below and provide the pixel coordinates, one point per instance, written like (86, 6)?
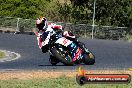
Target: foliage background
(108, 12)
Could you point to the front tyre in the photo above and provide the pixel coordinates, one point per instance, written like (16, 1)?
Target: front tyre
(62, 57)
(53, 60)
(89, 59)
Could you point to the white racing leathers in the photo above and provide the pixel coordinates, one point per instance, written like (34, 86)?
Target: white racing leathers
(44, 37)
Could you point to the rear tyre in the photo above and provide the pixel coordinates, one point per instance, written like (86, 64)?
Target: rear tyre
(53, 60)
(62, 57)
(89, 59)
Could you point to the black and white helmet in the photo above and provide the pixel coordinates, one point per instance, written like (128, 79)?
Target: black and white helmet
(42, 23)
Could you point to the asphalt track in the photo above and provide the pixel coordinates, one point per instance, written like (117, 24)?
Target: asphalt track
(109, 54)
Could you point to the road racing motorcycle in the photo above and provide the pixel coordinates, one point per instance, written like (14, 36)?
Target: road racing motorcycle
(64, 50)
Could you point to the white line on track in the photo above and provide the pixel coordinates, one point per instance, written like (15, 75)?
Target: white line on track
(9, 56)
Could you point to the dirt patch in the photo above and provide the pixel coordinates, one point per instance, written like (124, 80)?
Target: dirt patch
(25, 75)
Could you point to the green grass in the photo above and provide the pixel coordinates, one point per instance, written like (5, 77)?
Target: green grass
(2, 54)
(129, 38)
(61, 82)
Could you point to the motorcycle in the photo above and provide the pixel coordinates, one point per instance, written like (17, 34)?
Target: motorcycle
(64, 50)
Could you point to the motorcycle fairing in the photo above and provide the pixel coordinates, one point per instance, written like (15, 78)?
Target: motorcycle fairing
(76, 52)
(63, 41)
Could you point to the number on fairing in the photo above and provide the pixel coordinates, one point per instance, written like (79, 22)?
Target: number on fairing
(65, 41)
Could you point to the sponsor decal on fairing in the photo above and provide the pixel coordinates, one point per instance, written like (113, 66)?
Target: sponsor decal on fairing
(63, 41)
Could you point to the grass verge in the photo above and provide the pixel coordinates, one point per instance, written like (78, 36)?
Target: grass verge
(2, 54)
(128, 38)
(60, 82)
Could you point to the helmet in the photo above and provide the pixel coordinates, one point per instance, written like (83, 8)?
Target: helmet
(41, 23)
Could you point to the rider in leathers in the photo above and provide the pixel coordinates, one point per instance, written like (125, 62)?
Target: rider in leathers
(42, 25)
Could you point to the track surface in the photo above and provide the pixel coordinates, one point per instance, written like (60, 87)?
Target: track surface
(109, 54)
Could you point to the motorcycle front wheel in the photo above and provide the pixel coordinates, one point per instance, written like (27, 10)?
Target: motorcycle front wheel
(62, 57)
(53, 60)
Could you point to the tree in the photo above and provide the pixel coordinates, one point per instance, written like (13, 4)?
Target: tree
(108, 12)
(23, 8)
